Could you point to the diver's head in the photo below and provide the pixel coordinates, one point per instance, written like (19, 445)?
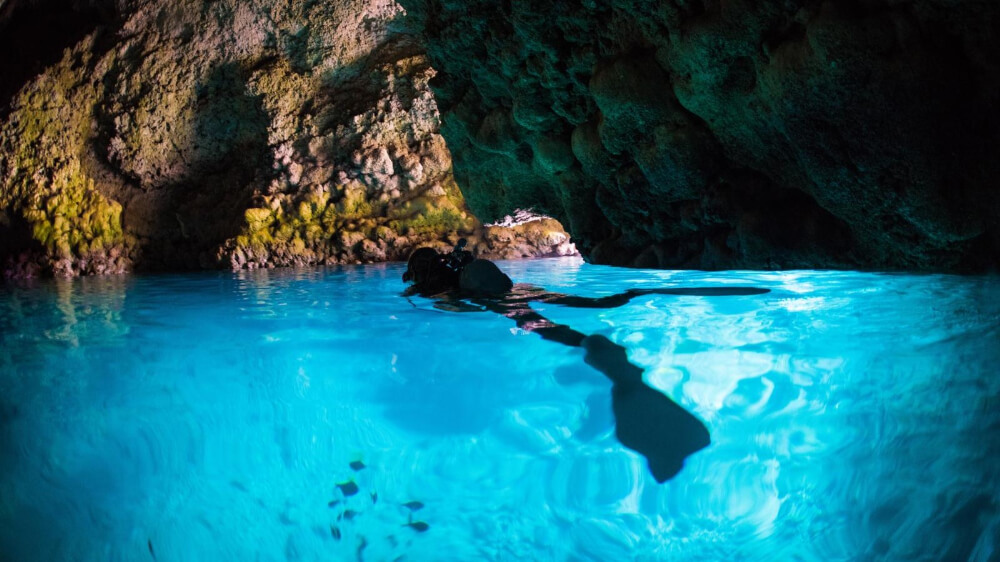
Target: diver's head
(420, 265)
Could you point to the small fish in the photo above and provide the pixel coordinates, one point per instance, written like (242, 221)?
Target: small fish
(374, 497)
(149, 543)
(413, 506)
(335, 532)
(333, 503)
(348, 488)
(418, 526)
(348, 514)
(357, 465)
(360, 552)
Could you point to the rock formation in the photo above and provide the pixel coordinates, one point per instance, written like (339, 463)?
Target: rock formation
(189, 133)
(730, 134)
(738, 134)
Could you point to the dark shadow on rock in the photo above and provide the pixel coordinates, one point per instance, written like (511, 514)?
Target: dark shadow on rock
(180, 224)
(19, 251)
(349, 91)
(34, 34)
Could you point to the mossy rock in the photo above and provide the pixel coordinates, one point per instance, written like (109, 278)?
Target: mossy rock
(258, 219)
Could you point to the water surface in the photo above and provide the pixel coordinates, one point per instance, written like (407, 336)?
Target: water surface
(853, 416)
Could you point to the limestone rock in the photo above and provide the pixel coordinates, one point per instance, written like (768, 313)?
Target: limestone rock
(245, 134)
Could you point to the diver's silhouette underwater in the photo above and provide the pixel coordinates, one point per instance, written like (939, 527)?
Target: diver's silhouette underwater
(646, 420)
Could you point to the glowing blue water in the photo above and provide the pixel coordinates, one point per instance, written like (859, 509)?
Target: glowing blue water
(211, 416)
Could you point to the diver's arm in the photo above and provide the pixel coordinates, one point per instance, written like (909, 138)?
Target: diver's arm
(610, 301)
(523, 294)
(530, 321)
(701, 291)
(457, 306)
(613, 301)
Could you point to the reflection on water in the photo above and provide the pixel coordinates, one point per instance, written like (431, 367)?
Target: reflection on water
(303, 415)
(62, 310)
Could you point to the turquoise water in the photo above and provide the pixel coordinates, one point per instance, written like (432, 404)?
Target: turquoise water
(853, 416)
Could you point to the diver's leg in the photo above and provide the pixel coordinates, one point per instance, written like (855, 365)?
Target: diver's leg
(646, 420)
(602, 354)
(610, 359)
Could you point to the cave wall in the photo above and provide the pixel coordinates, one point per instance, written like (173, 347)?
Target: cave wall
(730, 134)
(197, 133)
(200, 134)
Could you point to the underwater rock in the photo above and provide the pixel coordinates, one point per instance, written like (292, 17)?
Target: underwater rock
(730, 134)
(196, 134)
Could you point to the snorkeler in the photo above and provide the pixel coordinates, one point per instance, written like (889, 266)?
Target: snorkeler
(434, 273)
(646, 420)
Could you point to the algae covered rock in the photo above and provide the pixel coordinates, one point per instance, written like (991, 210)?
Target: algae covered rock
(56, 216)
(194, 133)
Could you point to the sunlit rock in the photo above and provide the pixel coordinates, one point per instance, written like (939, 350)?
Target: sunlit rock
(193, 134)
